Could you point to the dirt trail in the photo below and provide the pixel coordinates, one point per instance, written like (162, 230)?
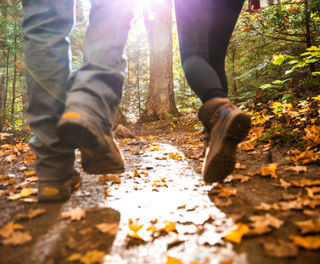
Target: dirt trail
(164, 206)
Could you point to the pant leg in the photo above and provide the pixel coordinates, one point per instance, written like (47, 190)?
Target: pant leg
(98, 83)
(203, 54)
(224, 18)
(46, 27)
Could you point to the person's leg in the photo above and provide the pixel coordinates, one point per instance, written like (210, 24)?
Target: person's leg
(97, 87)
(224, 18)
(46, 27)
(205, 28)
(194, 20)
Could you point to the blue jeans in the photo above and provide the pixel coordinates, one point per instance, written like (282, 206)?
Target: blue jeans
(97, 84)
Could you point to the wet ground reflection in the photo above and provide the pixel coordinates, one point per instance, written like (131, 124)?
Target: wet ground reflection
(165, 188)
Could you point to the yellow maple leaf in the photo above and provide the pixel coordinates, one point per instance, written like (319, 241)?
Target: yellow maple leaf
(135, 227)
(171, 260)
(237, 234)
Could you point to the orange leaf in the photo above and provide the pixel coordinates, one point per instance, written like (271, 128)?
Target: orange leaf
(237, 234)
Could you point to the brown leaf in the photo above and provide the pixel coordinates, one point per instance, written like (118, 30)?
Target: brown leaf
(267, 207)
(241, 178)
(107, 228)
(221, 202)
(305, 183)
(17, 238)
(91, 257)
(265, 220)
(260, 230)
(284, 184)
(296, 169)
(309, 226)
(24, 193)
(9, 229)
(312, 191)
(308, 242)
(74, 214)
(280, 249)
(240, 166)
(224, 191)
(30, 214)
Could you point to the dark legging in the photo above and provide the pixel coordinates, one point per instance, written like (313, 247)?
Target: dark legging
(205, 28)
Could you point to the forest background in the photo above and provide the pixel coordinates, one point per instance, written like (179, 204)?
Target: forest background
(274, 55)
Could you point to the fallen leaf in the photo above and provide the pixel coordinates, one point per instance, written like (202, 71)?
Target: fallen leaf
(308, 242)
(311, 213)
(305, 183)
(171, 260)
(270, 170)
(91, 257)
(237, 234)
(4, 177)
(309, 226)
(224, 191)
(296, 169)
(267, 207)
(312, 191)
(265, 220)
(24, 193)
(107, 228)
(9, 229)
(30, 214)
(29, 200)
(169, 226)
(241, 178)
(74, 214)
(284, 184)
(134, 226)
(280, 249)
(259, 230)
(220, 202)
(10, 158)
(17, 238)
(240, 166)
(306, 157)
(29, 173)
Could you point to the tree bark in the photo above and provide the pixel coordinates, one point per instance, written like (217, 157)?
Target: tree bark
(160, 99)
(308, 32)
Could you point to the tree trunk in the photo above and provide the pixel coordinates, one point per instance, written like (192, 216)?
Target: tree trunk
(160, 99)
(14, 74)
(307, 28)
(138, 83)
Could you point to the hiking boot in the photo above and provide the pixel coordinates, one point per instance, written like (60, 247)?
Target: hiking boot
(60, 190)
(84, 130)
(226, 125)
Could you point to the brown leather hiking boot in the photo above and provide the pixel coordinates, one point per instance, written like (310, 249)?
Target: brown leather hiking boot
(226, 125)
(83, 130)
(60, 190)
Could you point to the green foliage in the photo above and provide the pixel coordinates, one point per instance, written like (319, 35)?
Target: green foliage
(264, 43)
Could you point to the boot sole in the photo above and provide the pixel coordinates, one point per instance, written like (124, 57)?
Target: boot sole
(57, 191)
(94, 159)
(220, 160)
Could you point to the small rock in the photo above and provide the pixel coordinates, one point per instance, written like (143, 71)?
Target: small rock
(123, 132)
